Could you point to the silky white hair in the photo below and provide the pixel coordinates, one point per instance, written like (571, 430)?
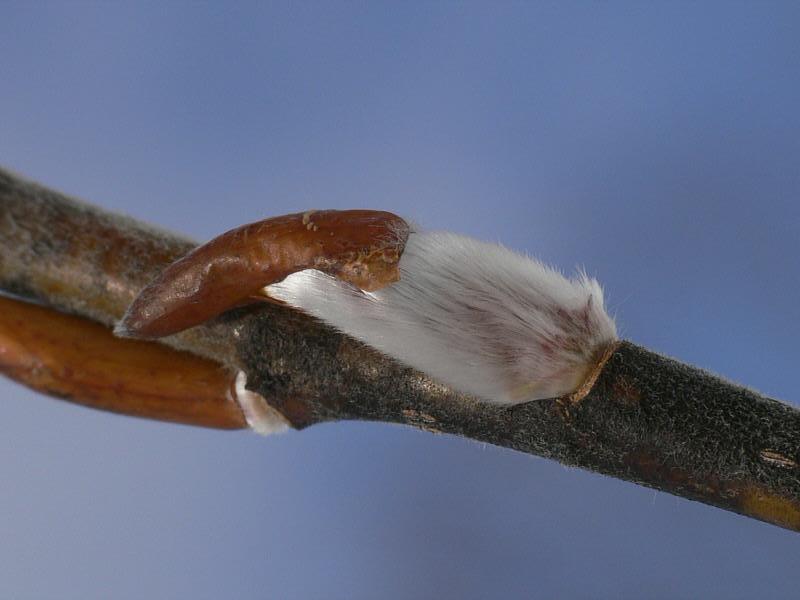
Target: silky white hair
(260, 416)
(476, 316)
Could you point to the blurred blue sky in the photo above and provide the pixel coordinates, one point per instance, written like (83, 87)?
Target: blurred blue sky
(656, 144)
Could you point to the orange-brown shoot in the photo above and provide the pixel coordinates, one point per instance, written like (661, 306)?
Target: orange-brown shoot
(362, 247)
(81, 361)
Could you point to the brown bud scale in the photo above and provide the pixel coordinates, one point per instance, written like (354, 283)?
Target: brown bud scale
(362, 247)
(76, 359)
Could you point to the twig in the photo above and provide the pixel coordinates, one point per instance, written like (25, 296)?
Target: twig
(641, 417)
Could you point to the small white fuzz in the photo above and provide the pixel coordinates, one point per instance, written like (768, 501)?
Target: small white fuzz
(261, 417)
(476, 316)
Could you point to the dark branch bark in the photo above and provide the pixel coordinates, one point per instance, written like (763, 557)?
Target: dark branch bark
(645, 419)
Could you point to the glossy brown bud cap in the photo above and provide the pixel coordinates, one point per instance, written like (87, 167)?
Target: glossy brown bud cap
(362, 247)
(78, 360)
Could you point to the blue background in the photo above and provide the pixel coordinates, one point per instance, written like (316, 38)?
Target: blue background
(658, 145)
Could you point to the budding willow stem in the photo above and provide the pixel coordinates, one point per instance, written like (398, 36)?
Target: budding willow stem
(645, 419)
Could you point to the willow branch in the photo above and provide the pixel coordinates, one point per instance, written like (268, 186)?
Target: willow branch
(641, 417)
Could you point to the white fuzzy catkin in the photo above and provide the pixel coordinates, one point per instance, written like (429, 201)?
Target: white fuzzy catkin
(476, 316)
